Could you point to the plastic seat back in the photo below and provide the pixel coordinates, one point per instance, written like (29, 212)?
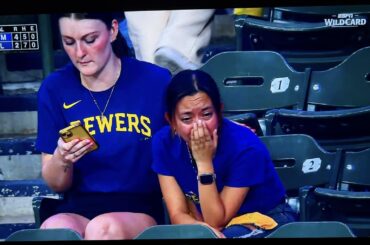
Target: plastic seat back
(309, 41)
(342, 128)
(349, 200)
(186, 231)
(320, 229)
(343, 86)
(356, 168)
(300, 161)
(256, 81)
(44, 235)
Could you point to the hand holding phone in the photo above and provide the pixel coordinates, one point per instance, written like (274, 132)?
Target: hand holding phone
(77, 131)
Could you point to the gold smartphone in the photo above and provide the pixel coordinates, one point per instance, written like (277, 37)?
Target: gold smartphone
(77, 131)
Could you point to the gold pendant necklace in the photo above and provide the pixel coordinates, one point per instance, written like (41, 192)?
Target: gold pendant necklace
(106, 104)
(110, 95)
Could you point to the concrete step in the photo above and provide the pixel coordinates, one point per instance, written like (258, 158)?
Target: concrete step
(16, 208)
(18, 114)
(20, 219)
(18, 102)
(20, 167)
(13, 208)
(18, 122)
(24, 188)
(19, 158)
(16, 198)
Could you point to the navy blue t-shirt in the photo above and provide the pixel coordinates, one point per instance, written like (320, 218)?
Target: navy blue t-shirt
(134, 113)
(241, 160)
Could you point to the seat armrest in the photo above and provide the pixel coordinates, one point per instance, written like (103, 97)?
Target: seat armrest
(305, 202)
(342, 194)
(250, 119)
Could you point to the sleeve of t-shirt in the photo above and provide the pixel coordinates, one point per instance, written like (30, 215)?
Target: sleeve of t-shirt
(160, 155)
(248, 168)
(50, 121)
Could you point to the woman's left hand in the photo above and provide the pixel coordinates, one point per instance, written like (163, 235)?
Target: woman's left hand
(203, 145)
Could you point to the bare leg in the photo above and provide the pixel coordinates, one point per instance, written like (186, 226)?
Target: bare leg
(117, 225)
(67, 220)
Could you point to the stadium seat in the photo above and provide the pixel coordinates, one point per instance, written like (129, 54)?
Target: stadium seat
(343, 128)
(185, 231)
(249, 119)
(348, 201)
(338, 107)
(300, 161)
(304, 39)
(243, 82)
(344, 86)
(244, 77)
(322, 229)
(43, 235)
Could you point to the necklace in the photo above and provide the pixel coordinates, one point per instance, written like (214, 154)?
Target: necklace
(192, 161)
(110, 95)
(191, 195)
(106, 104)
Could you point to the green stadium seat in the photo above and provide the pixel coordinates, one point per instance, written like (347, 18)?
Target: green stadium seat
(300, 161)
(256, 81)
(338, 107)
(184, 231)
(344, 86)
(347, 129)
(303, 36)
(43, 235)
(348, 201)
(303, 229)
(244, 77)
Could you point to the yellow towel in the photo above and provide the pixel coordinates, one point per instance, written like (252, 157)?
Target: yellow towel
(257, 219)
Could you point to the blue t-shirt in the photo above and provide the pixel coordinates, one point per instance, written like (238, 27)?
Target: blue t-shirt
(134, 113)
(241, 160)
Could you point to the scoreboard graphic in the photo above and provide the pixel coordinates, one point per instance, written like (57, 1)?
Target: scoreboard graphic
(21, 37)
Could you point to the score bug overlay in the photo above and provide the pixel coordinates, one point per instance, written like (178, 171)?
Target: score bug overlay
(20, 37)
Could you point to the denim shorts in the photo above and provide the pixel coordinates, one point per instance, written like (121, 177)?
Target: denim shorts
(282, 214)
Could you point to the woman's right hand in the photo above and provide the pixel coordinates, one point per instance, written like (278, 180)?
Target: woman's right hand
(74, 150)
(203, 144)
(61, 161)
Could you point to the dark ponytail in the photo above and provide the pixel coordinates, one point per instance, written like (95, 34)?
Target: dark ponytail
(119, 46)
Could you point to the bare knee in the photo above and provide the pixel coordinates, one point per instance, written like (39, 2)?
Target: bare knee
(120, 225)
(104, 227)
(66, 220)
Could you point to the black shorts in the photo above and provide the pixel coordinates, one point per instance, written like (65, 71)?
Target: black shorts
(91, 205)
